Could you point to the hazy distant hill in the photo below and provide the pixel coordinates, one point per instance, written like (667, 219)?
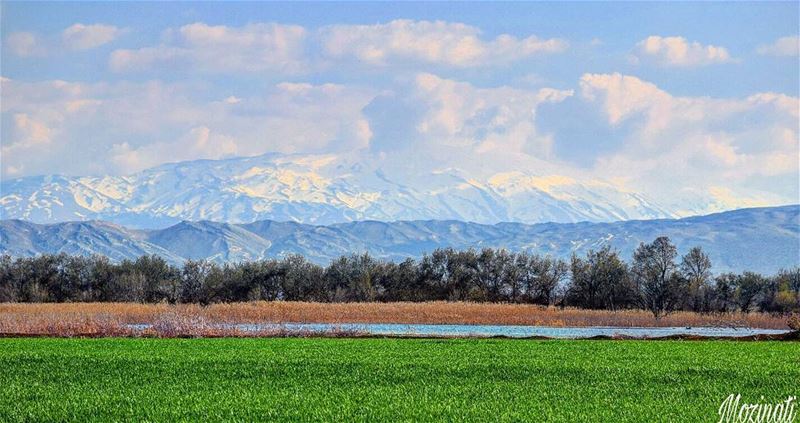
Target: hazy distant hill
(762, 239)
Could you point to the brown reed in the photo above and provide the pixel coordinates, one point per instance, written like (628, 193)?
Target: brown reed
(190, 320)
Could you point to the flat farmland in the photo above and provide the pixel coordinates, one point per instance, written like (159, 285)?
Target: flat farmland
(302, 379)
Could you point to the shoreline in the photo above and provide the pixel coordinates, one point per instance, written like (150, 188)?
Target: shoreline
(789, 336)
(119, 319)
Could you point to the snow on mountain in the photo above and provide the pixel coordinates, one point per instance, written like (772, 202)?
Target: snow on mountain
(764, 240)
(318, 189)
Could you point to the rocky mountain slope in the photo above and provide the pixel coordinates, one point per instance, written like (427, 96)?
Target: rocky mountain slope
(762, 239)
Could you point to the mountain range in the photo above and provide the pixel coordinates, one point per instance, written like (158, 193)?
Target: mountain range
(317, 189)
(758, 239)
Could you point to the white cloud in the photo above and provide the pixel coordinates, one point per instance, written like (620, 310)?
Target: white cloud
(673, 148)
(461, 114)
(251, 48)
(677, 142)
(90, 126)
(723, 198)
(439, 42)
(621, 95)
(784, 46)
(679, 52)
(13, 170)
(454, 124)
(30, 132)
(197, 143)
(25, 44)
(76, 37)
(29, 136)
(289, 48)
(85, 37)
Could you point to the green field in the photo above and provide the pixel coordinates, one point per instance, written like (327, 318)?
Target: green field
(386, 379)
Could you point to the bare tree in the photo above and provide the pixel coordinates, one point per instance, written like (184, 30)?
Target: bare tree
(599, 281)
(193, 280)
(548, 274)
(656, 276)
(696, 268)
(749, 286)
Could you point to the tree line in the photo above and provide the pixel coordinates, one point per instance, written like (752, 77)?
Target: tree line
(656, 279)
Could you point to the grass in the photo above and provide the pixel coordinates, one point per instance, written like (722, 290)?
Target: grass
(112, 379)
(110, 319)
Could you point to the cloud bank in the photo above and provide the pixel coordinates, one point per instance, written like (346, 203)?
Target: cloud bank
(214, 91)
(251, 48)
(85, 37)
(784, 46)
(679, 52)
(439, 42)
(694, 148)
(292, 49)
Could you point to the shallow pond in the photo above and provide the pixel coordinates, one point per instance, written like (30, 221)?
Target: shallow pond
(499, 330)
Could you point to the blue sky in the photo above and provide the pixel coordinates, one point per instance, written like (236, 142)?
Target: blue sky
(741, 27)
(621, 92)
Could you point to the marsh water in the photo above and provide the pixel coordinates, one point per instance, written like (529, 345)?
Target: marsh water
(425, 330)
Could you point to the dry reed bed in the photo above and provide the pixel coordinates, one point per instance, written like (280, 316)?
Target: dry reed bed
(169, 324)
(165, 320)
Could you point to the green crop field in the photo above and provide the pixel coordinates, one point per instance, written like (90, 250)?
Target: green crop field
(386, 379)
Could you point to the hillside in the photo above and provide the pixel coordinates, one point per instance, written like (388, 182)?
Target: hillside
(760, 239)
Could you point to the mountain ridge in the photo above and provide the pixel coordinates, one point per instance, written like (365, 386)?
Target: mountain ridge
(760, 239)
(322, 189)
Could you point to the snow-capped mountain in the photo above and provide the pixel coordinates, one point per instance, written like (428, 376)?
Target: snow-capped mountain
(763, 240)
(318, 189)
